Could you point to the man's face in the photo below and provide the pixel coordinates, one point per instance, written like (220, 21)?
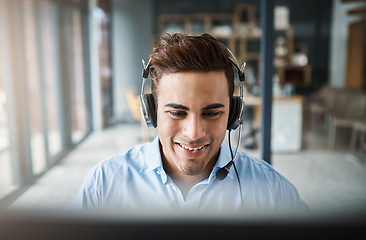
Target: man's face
(192, 114)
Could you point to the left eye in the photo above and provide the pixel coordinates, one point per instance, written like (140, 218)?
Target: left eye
(212, 114)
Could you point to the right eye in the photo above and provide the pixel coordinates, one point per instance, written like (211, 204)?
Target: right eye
(177, 114)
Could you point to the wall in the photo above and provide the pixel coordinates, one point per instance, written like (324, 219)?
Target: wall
(132, 27)
(338, 45)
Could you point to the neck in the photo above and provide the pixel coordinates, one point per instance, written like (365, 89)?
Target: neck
(186, 181)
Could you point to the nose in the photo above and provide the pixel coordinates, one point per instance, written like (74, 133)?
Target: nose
(194, 128)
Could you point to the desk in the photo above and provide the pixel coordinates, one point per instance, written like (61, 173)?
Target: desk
(286, 121)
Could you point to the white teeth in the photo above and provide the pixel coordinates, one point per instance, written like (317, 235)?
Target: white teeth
(191, 149)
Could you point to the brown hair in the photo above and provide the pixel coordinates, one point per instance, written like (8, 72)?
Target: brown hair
(182, 53)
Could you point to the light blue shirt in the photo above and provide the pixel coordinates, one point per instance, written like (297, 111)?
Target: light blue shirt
(136, 179)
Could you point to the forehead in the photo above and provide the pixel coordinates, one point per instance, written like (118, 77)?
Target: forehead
(188, 87)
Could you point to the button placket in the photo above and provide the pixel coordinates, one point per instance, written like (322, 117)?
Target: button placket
(175, 193)
(194, 196)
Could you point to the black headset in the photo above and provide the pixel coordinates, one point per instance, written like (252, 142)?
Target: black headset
(148, 107)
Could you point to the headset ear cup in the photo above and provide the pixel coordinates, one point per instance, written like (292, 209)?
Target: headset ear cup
(150, 114)
(234, 114)
(152, 108)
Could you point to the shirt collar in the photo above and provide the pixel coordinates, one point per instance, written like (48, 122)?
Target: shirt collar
(153, 158)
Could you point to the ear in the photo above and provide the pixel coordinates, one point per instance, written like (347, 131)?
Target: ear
(234, 114)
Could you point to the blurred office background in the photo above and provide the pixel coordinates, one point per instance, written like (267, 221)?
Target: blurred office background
(70, 74)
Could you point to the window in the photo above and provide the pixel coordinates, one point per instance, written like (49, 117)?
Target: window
(102, 16)
(5, 154)
(51, 77)
(34, 89)
(78, 85)
(44, 86)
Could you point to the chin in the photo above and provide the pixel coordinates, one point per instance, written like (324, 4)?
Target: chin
(190, 172)
(191, 167)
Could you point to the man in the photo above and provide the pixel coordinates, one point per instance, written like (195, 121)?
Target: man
(192, 87)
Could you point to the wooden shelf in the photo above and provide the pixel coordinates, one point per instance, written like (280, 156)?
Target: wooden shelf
(356, 11)
(240, 32)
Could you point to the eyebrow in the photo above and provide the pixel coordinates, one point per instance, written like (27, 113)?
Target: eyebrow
(177, 106)
(182, 107)
(213, 106)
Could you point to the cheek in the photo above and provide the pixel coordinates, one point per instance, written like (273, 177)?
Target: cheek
(219, 126)
(165, 125)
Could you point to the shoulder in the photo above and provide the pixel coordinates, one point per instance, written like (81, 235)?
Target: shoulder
(256, 163)
(110, 178)
(267, 183)
(131, 158)
(260, 170)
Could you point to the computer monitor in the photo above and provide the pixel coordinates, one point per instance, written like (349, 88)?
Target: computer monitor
(40, 224)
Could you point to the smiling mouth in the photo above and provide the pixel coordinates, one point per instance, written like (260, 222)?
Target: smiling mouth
(192, 149)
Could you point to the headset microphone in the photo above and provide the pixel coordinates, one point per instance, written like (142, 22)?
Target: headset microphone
(223, 172)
